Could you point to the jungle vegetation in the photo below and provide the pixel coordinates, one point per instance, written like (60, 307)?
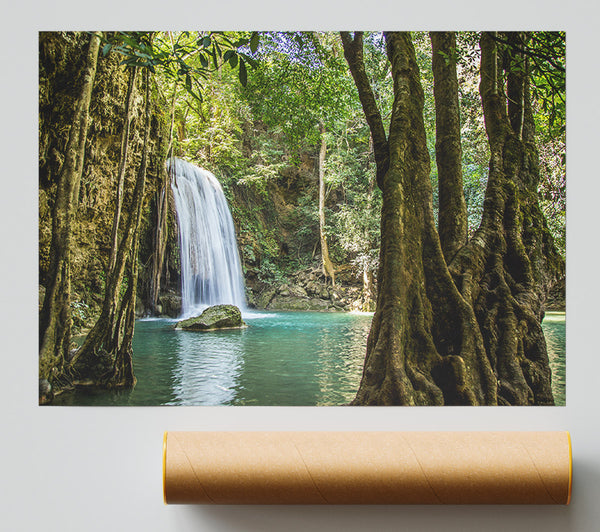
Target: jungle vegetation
(426, 168)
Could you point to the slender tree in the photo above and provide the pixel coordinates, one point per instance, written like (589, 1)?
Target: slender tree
(327, 265)
(121, 170)
(162, 212)
(302, 80)
(353, 52)
(123, 366)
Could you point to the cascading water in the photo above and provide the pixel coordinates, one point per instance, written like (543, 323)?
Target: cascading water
(211, 273)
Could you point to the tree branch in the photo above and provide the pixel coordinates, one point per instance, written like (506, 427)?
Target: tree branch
(353, 52)
(521, 48)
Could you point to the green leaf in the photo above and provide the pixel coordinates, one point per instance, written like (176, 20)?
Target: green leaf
(196, 96)
(243, 74)
(142, 55)
(206, 41)
(233, 61)
(106, 48)
(250, 60)
(128, 40)
(198, 92)
(188, 83)
(254, 42)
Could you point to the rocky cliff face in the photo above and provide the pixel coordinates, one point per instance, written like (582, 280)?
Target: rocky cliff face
(309, 290)
(60, 57)
(557, 298)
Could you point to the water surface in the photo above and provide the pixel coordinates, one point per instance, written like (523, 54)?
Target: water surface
(282, 358)
(554, 327)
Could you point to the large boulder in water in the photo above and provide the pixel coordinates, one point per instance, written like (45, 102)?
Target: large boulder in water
(214, 318)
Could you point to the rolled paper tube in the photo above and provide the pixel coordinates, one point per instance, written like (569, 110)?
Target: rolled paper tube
(367, 467)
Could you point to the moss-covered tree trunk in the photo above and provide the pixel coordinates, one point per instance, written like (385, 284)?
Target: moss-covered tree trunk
(510, 264)
(452, 219)
(121, 170)
(105, 357)
(424, 347)
(160, 241)
(469, 333)
(55, 316)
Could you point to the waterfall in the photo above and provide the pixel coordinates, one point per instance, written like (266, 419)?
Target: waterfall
(211, 273)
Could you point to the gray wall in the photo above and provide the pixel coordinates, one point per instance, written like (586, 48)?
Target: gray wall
(97, 469)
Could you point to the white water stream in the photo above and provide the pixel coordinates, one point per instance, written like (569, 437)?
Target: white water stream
(211, 273)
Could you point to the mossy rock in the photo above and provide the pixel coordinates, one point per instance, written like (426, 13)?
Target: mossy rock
(214, 318)
(298, 303)
(170, 305)
(265, 297)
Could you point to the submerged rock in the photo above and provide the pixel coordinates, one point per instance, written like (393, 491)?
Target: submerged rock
(214, 318)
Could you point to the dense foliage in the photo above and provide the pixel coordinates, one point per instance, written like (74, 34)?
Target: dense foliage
(251, 135)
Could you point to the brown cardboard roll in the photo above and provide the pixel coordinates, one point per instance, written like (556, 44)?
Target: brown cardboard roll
(367, 467)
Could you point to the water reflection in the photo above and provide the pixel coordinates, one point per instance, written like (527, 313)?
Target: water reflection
(280, 360)
(302, 358)
(340, 352)
(555, 334)
(208, 367)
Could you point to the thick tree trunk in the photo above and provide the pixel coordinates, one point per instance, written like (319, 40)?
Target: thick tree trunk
(516, 64)
(510, 263)
(327, 265)
(424, 347)
(452, 219)
(55, 317)
(483, 343)
(105, 356)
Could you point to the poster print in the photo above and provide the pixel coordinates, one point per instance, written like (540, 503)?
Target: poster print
(275, 218)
